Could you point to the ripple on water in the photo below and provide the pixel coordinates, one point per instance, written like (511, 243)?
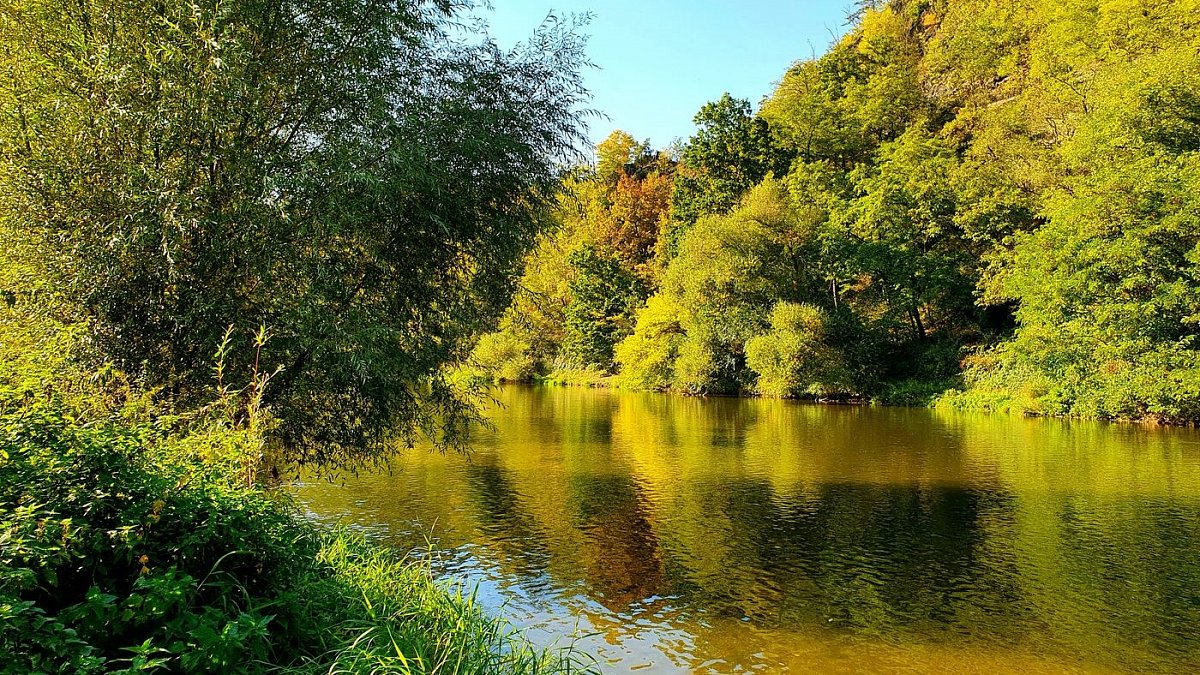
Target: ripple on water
(684, 535)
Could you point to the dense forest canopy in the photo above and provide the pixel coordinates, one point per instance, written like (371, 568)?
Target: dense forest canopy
(362, 178)
(994, 202)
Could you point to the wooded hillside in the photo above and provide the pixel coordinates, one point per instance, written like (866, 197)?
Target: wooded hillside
(996, 197)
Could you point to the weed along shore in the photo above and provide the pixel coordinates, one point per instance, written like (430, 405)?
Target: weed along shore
(130, 546)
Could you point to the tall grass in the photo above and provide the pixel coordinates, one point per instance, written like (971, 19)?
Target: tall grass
(140, 546)
(406, 623)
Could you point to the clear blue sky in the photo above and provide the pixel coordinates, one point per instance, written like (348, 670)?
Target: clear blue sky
(660, 60)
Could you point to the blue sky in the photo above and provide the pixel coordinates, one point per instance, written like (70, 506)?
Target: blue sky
(660, 60)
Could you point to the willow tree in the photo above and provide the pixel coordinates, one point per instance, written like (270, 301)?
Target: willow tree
(360, 176)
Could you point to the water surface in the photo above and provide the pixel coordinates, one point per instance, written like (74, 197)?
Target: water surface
(732, 535)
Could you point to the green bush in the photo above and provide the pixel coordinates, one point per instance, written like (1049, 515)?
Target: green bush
(503, 357)
(126, 546)
(144, 546)
(646, 358)
(793, 357)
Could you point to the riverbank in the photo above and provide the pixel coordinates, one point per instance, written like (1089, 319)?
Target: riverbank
(950, 394)
(138, 540)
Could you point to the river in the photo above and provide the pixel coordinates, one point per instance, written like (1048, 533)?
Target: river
(679, 535)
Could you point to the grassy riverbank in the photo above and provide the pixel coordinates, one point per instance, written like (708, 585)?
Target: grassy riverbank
(134, 541)
(135, 537)
(946, 394)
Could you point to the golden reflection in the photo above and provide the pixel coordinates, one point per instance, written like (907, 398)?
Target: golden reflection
(723, 534)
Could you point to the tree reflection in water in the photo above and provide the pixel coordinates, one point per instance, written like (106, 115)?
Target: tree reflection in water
(728, 534)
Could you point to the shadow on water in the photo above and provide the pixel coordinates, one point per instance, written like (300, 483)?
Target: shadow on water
(728, 534)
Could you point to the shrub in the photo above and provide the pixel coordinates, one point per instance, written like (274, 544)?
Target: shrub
(793, 358)
(123, 545)
(503, 357)
(647, 357)
(141, 546)
(695, 367)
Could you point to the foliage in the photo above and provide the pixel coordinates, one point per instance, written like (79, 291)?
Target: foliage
(359, 177)
(727, 274)
(1106, 288)
(718, 294)
(138, 546)
(990, 204)
(505, 356)
(730, 153)
(586, 278)
(1109, 294)
(603, 297)
(113, 552)
(647, 357)
(793, 358)
(638, 210)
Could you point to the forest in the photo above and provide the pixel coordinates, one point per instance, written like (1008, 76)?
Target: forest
(983, 205)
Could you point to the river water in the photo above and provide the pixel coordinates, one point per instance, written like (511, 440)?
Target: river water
(673, 535)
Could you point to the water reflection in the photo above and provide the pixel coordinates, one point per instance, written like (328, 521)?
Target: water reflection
(726, 535)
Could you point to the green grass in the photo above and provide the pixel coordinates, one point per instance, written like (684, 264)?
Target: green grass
(136, 543)
(407, 623)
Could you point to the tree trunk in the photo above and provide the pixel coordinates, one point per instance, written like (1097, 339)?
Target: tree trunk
(915, 312)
